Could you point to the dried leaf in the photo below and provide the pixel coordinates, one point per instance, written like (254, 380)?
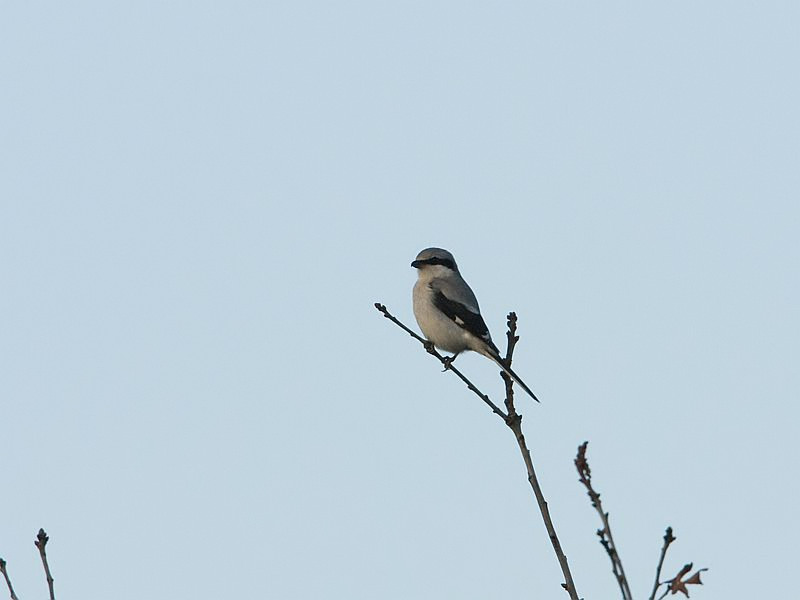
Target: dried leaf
(678, 584)
(695, 578)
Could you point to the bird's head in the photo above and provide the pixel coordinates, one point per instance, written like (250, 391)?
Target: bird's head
(435, 262)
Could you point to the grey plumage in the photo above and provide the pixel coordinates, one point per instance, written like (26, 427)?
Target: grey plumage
(447, 311)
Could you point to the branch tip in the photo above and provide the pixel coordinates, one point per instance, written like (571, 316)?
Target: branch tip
(605, 535)
(4, 572)
(41, 541)
(668, 537)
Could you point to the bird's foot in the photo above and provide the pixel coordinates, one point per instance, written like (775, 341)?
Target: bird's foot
(429, 347)
(449, 360)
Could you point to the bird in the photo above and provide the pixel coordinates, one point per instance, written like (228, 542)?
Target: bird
(447, 311)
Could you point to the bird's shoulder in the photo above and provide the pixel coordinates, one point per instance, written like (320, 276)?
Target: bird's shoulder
(455, 290)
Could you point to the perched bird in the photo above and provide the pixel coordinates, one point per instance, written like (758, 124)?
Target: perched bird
(447, 311)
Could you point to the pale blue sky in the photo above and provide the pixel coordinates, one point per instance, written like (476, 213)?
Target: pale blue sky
(199, 203)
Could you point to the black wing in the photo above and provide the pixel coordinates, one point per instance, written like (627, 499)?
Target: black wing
(463, 317)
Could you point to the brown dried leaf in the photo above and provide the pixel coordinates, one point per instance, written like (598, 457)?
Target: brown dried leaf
(695, 578)
(679, 585)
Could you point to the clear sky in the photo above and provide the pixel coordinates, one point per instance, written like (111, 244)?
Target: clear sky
(200, 201)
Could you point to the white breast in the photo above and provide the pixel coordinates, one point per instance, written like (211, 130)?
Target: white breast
(439, 329)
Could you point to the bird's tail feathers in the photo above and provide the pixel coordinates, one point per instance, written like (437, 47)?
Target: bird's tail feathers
(496, 358)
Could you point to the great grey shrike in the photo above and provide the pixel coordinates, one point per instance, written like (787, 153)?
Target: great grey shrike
(447, 311)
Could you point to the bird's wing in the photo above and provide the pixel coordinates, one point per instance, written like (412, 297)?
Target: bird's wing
(464, 316)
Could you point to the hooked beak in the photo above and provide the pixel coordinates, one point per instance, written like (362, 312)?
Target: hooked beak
(417, 264)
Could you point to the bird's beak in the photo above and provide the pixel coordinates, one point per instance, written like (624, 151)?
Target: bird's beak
(416, 264)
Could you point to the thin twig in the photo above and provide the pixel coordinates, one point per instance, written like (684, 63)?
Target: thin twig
(448, 365)
(512, 338)
(668, 539)
(8, 581)
(514, 422)
(606, 538)
(41, 542)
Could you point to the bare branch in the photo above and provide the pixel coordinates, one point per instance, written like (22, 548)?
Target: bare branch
(512, 339)
(511, 336)
(606, 538)
(677, 583)
(8, 581)
(41, 542)
(668, 539)
(448, 366)
(514, 422)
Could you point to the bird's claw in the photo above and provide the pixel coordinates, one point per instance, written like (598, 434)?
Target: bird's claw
(447, 361)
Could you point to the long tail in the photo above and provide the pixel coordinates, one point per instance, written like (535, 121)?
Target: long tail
(508, 370)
